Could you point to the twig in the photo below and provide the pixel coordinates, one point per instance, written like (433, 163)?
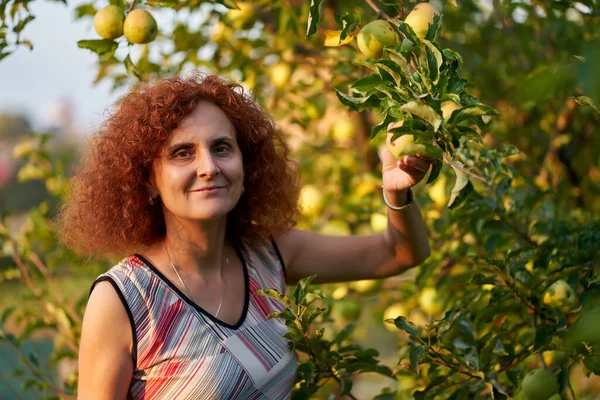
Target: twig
(540, 355)
(22, 267)
(458, 167)
(35, 259)
(133, 3)
(377, 9)
(518, 231)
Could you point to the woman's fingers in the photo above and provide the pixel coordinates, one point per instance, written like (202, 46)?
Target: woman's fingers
(417, 163)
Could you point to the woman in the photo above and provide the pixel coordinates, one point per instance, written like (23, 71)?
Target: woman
(190, 180)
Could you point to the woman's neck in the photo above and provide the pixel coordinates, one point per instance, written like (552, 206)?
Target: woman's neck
(199, 249)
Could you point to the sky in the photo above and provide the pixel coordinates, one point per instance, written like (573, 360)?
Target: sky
(32, 82)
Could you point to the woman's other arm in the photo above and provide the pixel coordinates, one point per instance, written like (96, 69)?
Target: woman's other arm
(105, 351)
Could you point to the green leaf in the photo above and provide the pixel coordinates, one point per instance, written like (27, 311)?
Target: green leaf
(172, 3)
(131, 68)
(5, 314)
(100, 46)
(369, 83)
(586, 101)
(405, 325)
(436, 167)
(85, 10)
(347, 23)
(314, 15)
(301, 287)
(422, 110)
(22, 23)
(461, 182)
(274, 294)
(434, 61)
(381, 128)
(469, 112)
(358, 103)
(434, 28)
(346, 386)
(415, 356)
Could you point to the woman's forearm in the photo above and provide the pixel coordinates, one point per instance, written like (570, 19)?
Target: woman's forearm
(406, 233)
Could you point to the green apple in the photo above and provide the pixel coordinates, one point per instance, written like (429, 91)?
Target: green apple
(280, 74)
(560, 295)
(108, 22)
(448, 107)
(430, 302)
(420, 18)
(312, 200)
(349, 309)
(394, 311)
(586, 329)
(555, 397)
(366, 286)
(374, 36)
(140, 27)
(539, 384)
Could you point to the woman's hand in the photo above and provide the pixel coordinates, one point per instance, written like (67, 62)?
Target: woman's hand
(405, 173)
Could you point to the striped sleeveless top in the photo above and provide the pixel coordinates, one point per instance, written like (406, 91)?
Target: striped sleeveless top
(182, 352)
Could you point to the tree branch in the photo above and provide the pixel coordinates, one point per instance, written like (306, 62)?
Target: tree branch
(377, 9)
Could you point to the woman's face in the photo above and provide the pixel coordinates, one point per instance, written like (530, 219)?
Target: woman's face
(199, 173)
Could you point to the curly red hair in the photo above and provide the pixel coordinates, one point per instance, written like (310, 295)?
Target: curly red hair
(108, 210)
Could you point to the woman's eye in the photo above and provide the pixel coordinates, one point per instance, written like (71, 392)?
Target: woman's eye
(182, 154)
(222, 149)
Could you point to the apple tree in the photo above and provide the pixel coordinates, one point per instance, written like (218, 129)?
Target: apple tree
(501, 94)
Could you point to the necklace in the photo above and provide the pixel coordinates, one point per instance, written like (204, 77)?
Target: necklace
(188, 290)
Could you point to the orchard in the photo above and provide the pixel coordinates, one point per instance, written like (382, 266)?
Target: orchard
(502, 95)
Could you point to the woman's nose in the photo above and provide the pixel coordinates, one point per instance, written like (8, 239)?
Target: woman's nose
(207, 166)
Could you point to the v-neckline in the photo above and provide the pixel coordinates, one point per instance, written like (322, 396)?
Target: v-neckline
(191, 303)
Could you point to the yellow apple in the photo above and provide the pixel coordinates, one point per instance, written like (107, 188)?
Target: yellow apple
(108, 22)
(448, 107)
(397, 146)
(378, 222)
(140, 27)
(560, 295)
(366, 286)
(421, 17)
(241, 17)
(374, 36)
(280, 74)
(343, 129)
(392, 312)
(437, 191)
(430, 302)
(340, 292)
(552, 357)
(539, 384)
(312, 200)
(529, 266)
